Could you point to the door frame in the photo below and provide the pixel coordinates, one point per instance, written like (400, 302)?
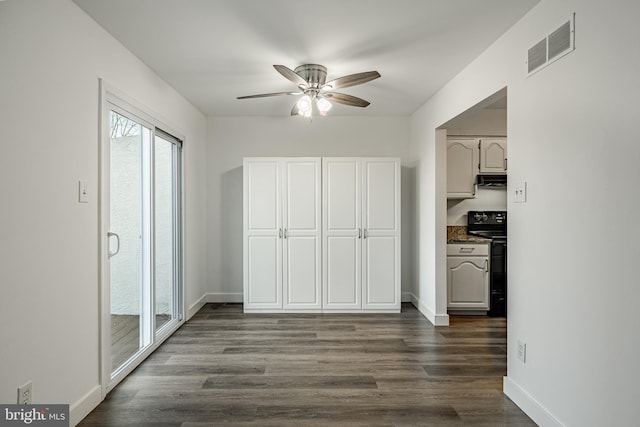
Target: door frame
(110, 95)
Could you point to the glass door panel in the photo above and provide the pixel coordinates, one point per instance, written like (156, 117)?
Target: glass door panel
(165, 231)
(128, 140)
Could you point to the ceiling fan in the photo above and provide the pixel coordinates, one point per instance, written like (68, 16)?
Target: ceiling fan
(315, 90)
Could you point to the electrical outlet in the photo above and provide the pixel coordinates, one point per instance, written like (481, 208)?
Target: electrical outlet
(25, 394)
(522, 351)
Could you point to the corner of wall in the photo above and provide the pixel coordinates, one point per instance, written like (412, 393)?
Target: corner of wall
(435, 319)
(86, 404)
(528, 404)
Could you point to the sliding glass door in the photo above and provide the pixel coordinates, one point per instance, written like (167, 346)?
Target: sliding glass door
(144, 239)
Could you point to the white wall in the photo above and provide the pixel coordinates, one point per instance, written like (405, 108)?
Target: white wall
(572, 278)
(232, 138)
(52, 56)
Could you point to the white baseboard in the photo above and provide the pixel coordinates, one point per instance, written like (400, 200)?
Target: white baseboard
(232, 297)
(435, 319)
(528, 404)
(196, 306)
(86, 404)
(406, 297)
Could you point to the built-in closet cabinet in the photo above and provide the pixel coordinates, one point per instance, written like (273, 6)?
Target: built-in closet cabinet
(361, 234)
(321, 234)
(282, 234)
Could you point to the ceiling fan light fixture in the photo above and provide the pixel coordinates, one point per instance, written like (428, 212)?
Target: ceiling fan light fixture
(323, 106)
(304, 106)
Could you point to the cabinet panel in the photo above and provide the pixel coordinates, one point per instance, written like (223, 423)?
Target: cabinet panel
(467, 282)
(380, 275)
(263, 272)
(302, 233)
(302, 275)
(342, 270)
(263, 187)
(342, 188)
(302, 192)
(462, 168)
(380, 194)
(493, 155)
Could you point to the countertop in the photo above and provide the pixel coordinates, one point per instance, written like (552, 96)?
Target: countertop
(458, 234)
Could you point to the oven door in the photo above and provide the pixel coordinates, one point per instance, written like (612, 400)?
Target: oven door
(498, 279)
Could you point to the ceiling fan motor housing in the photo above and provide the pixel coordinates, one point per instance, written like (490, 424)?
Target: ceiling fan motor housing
(314, 74)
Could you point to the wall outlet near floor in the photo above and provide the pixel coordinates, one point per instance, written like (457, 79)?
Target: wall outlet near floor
(522, 351)
(25, 393)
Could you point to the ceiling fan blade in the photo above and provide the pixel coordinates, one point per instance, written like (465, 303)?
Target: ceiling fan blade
(343, 98)
(352, 80)
(264, 95)
(289, 74)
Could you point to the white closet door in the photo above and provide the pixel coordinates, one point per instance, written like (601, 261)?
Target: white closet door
(302, 255)
(381, 240)
(342, 233)
(263, 229)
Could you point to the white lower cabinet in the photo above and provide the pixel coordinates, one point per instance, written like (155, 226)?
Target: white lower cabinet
(321, 234)
(468, 276)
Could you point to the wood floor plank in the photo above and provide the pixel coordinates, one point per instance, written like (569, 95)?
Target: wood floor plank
(224, 367)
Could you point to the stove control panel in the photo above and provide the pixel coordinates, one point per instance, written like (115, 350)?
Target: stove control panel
(487, 217)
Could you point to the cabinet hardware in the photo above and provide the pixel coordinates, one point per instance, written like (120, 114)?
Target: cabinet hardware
(486, 265)
(285, 233)
(359, 233)
(109, 236)
(505, 164)
(364, 233)
(467, 250)
(280, 234)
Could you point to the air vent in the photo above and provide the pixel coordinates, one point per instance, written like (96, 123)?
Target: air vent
(551, 48)
(537, 55)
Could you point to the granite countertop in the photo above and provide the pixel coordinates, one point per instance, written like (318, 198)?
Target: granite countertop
(458, 234)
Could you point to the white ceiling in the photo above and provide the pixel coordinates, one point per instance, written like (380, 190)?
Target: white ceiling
(212, 51)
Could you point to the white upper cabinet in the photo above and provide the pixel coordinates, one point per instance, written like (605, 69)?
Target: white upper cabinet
(462, 168)
(493, 155)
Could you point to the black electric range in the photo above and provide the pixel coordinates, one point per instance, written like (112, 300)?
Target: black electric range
(493, 225)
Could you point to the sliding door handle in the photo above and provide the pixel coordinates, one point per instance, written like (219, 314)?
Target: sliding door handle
(109, 236)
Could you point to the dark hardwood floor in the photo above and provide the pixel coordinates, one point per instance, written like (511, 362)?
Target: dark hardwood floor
(224, 367)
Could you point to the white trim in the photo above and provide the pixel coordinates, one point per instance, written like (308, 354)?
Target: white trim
(528, 404)
(83, 406)
(196, 306)
(232, 297)
(435, 319)
(406, 297)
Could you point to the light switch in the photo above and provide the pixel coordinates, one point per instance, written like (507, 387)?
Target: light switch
(520, 192)
(83, 195)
